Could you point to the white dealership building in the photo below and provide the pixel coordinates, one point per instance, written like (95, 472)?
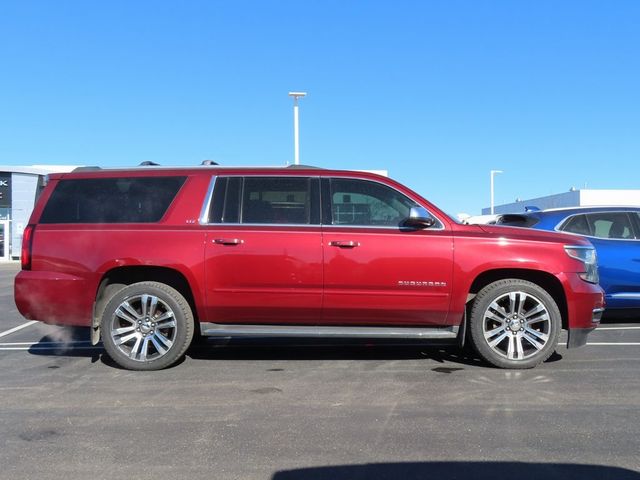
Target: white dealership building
(19, 187)
(572, 198)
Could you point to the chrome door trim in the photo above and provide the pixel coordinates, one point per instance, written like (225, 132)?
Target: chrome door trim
(206, 206)
(242, 330)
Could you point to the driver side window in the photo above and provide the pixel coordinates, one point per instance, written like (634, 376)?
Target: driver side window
(367, 203)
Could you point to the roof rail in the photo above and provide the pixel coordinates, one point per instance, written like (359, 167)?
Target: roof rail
(86, 169)
(301, 166)
(149, 163)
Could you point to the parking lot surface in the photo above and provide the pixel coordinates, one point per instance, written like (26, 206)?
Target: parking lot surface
(339, 410)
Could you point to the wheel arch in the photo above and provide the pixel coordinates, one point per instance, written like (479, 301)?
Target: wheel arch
(543, 279)
(129, 275)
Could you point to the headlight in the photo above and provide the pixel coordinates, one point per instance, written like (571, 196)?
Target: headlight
(587, 255)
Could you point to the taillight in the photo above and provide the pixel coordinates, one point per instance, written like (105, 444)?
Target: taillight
(27, 242)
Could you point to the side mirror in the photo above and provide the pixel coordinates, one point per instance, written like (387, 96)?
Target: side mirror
(419, 218)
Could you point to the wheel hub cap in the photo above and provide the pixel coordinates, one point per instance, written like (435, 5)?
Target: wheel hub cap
(516, 325)
(143, 327)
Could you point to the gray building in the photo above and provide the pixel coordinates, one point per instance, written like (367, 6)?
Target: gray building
(573, 198)
(19, 187)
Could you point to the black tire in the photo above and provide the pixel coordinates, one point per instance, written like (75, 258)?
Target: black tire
(514, 324)
(146, 326)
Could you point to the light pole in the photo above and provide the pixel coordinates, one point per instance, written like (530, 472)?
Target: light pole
(493, 172)
(296, 138)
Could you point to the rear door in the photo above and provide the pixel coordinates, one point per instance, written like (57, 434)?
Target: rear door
(263, 255)
(375, 271)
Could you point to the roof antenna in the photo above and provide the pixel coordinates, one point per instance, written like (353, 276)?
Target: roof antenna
(149, 163)
(209, 163)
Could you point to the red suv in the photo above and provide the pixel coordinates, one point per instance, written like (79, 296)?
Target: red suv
(150, 256)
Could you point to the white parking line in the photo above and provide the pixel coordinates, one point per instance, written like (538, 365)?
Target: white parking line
(33, 348)
(622, 344)
(21, 346)
(599, 329)
(15, 344)
(19, 327)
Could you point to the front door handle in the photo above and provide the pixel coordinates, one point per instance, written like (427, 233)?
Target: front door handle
(344, 243)
(228, 241)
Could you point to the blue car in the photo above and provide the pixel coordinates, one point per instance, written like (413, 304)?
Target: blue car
(613, 231)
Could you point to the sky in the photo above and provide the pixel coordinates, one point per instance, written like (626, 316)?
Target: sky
(436, 92)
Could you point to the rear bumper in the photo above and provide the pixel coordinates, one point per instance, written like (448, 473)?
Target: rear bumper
(52, 297)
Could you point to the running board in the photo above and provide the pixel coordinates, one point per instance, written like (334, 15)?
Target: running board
(218, 330)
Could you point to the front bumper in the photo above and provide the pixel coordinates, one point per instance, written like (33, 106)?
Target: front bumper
(578, 336)
(585, 305)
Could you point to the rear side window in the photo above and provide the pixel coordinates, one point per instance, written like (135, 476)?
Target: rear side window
(615, 225)
(578, 225)
(111, 200)
(265, 200)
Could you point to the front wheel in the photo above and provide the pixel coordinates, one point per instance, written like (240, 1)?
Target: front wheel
(514, 324)
(147, 326)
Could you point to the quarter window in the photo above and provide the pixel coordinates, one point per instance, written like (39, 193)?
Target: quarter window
(367, 203)
(111, 200)
(578, 225)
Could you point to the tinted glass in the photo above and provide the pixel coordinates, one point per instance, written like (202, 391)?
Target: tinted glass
(517, 220)
(615, 225)
(226, 200)
(276, 200)
(577, 224)
(111, 200)
(367, 203)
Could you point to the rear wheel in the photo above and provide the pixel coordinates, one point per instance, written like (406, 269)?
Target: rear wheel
(515, 324)
(147, 326)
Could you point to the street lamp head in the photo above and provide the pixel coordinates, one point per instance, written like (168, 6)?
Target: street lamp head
(297, 94)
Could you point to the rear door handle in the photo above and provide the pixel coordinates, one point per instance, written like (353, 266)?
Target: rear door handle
(228, 241)
(344, 243)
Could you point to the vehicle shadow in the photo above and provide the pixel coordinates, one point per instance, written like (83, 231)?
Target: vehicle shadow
(459, 471)
(74, 342)
(334, 349)
(621, 316)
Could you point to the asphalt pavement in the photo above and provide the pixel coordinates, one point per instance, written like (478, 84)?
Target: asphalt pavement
(311, 410)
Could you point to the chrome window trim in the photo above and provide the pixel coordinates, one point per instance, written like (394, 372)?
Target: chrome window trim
(380, 227)
(206, 207)
(558, 227)
(440, 224)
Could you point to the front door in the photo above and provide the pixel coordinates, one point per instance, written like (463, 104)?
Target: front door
(263, 254)
(377, 272)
